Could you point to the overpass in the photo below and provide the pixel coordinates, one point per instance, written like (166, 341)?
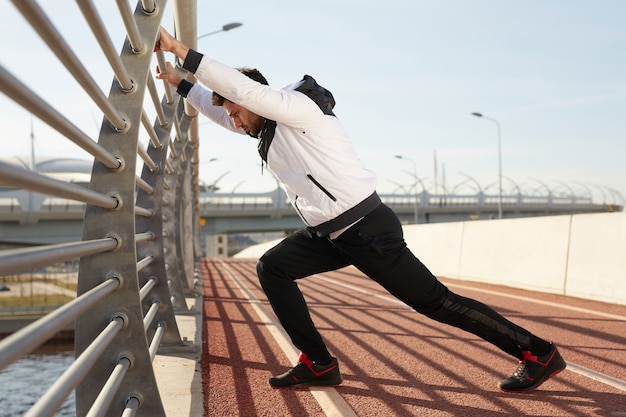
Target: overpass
(28, 218)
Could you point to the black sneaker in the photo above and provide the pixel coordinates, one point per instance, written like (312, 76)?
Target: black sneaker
(534, 371)
(308, 374)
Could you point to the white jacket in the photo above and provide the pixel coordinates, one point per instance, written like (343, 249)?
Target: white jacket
(310, 153)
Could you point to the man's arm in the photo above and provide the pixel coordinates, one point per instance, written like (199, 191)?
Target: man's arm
(282, 106)
(198, 96)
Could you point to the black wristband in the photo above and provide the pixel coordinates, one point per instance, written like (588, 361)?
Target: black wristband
(184, 87)
(192, 60)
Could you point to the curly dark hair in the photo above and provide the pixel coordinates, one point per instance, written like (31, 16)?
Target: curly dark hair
(252, 73)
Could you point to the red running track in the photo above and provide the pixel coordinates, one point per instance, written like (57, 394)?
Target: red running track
(396, 362)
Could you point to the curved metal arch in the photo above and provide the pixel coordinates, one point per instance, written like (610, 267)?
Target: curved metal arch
(517, 187)
(586, 187)
(620, 200)
(566, 186)
(473, 180)
(543, 184)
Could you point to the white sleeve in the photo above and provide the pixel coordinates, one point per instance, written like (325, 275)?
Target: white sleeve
(284, 106)
(201, 98)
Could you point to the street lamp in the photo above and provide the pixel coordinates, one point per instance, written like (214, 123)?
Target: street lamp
(416, 205)
(210, 160)
(499, 161)
(224, 28)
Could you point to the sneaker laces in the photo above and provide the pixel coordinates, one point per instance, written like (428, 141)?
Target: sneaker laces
(520, 371)
(521, 368)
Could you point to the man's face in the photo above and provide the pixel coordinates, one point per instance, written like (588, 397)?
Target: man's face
(243, 118)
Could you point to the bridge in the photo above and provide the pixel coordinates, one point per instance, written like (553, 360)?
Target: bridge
(28, 218)
(136, 233)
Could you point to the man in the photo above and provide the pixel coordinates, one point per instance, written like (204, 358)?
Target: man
(303, 143)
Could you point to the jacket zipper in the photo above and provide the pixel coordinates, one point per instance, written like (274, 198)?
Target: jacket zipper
(321, 187)
(300, 212)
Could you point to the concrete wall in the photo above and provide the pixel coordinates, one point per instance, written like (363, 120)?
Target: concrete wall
(596, 266)
(580, 255)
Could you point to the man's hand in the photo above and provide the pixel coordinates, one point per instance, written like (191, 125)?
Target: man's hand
(165, 41)
(168, 43)
(171, 76)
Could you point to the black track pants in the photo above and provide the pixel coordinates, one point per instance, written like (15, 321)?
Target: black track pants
(376, 246)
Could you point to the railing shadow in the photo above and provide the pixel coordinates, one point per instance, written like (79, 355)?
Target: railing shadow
(386, 356)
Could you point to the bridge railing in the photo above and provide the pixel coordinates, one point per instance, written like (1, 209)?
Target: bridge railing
(425, 200)
(139, 247)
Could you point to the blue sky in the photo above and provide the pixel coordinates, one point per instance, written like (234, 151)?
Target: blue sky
(406, 76)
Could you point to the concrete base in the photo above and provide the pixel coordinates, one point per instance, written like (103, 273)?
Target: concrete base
(177, 371)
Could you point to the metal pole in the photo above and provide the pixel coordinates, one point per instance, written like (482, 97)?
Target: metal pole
(499, 171)
(416, 205)
(499, 161)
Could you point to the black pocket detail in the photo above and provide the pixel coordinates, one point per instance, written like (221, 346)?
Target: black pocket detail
(321, 187)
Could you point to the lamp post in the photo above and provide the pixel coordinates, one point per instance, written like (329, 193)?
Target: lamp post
(416, 205)
(224, 28)
(499, 161)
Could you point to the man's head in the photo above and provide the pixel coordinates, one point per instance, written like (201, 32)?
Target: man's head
(243, 118)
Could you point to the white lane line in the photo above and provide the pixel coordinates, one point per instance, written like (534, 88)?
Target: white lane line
(581, 370)
(484, 291)
(597, 376)
(546, 303)
(328, 398)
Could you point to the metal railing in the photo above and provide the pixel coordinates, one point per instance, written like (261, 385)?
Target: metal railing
(139, 248)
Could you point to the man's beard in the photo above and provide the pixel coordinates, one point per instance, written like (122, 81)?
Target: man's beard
(256, 127)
